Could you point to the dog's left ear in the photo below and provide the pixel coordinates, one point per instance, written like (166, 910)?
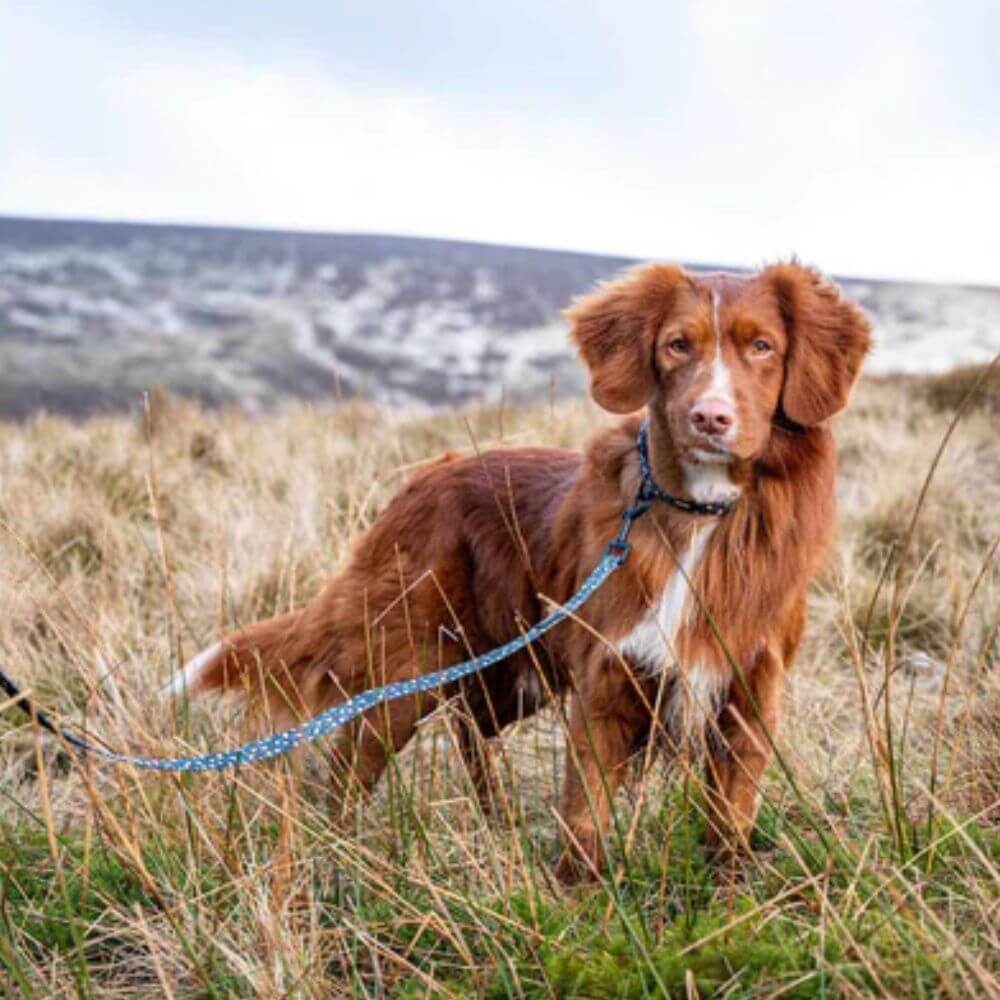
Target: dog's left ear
(828, 338)
(615, 330)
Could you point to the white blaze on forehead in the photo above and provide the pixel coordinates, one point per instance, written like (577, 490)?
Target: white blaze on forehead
(721, 386)
(715, 321)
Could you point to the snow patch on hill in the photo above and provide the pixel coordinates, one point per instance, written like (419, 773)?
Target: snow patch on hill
(92, 315)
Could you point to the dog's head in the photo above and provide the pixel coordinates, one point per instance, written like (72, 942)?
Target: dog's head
(721, 356)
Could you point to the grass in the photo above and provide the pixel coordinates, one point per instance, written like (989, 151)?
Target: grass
(127, 546)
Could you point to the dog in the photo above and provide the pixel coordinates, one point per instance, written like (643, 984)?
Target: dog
(737, 377)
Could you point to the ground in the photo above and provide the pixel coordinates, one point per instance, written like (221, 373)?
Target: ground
(128, 543)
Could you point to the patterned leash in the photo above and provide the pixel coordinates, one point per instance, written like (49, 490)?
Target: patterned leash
(613, 558)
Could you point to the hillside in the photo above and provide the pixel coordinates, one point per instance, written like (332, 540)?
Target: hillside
(93, 314)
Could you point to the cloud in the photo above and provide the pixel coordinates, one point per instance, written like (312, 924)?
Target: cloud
(865, 142)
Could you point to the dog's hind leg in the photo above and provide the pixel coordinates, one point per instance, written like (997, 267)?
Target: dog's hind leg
(479, 757)
(360, 759)
(487, 707)
(384, 733)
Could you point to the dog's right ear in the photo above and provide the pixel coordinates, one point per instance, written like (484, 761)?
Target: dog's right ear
(615, 329)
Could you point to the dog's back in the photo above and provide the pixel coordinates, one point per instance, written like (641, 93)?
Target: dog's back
(738, 375)
(452, 567)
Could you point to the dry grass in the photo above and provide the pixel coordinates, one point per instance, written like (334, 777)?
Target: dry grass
(123, 549)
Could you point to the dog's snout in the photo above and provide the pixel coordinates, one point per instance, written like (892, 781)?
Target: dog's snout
(712, 416)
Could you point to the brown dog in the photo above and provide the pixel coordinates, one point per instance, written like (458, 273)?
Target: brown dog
(738, 375)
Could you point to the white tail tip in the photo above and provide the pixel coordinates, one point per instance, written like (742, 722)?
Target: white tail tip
(186, 679)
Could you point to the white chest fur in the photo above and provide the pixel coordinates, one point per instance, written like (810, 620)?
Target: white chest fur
(650, 646)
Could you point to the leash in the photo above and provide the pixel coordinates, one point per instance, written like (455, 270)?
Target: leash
(613, 558)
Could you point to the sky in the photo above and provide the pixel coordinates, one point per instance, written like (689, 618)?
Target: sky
(862, 136)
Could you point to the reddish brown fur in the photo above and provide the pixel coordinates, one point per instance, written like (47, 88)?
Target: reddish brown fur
(459, 558)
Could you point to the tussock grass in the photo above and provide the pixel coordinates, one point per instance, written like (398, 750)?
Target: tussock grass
(949, 390)
(126, 545)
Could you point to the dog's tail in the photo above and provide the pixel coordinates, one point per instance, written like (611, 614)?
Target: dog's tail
(262, 662)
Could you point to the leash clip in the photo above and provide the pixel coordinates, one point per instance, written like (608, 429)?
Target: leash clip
(620, 546)
(620, 549)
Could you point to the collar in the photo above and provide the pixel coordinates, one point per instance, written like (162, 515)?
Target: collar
(785, 423)
(650, 489)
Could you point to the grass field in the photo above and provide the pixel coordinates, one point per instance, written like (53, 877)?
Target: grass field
(128, 544)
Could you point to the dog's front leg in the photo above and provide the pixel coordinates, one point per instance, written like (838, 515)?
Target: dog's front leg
(748, 724)
(607, 717)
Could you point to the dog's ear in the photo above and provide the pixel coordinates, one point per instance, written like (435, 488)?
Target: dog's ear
(828, 338)
(615, 329)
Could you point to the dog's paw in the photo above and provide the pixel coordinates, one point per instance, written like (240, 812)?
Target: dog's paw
(571, 871)
(579, 862)
(722, 854)
(725, 850)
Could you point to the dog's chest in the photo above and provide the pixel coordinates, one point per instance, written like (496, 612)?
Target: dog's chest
(697, 689)
(650, 644)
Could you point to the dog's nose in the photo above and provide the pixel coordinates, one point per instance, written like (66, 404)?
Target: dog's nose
(712, 416)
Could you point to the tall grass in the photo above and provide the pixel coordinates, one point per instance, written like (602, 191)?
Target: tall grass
(127, 544)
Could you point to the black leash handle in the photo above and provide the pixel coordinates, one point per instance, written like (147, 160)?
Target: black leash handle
(25, 704)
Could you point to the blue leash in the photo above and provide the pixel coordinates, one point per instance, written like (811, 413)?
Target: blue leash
(613, 558)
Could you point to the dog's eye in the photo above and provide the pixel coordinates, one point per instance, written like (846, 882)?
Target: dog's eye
(679, 346)
(761, 347)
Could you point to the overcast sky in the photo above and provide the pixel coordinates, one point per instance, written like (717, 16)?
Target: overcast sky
(864, 137)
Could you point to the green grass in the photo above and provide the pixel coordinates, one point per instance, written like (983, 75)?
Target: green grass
(810, 930)
(877, 849)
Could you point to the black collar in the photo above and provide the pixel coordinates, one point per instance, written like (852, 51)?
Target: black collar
(785, 423)
(650, 489)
